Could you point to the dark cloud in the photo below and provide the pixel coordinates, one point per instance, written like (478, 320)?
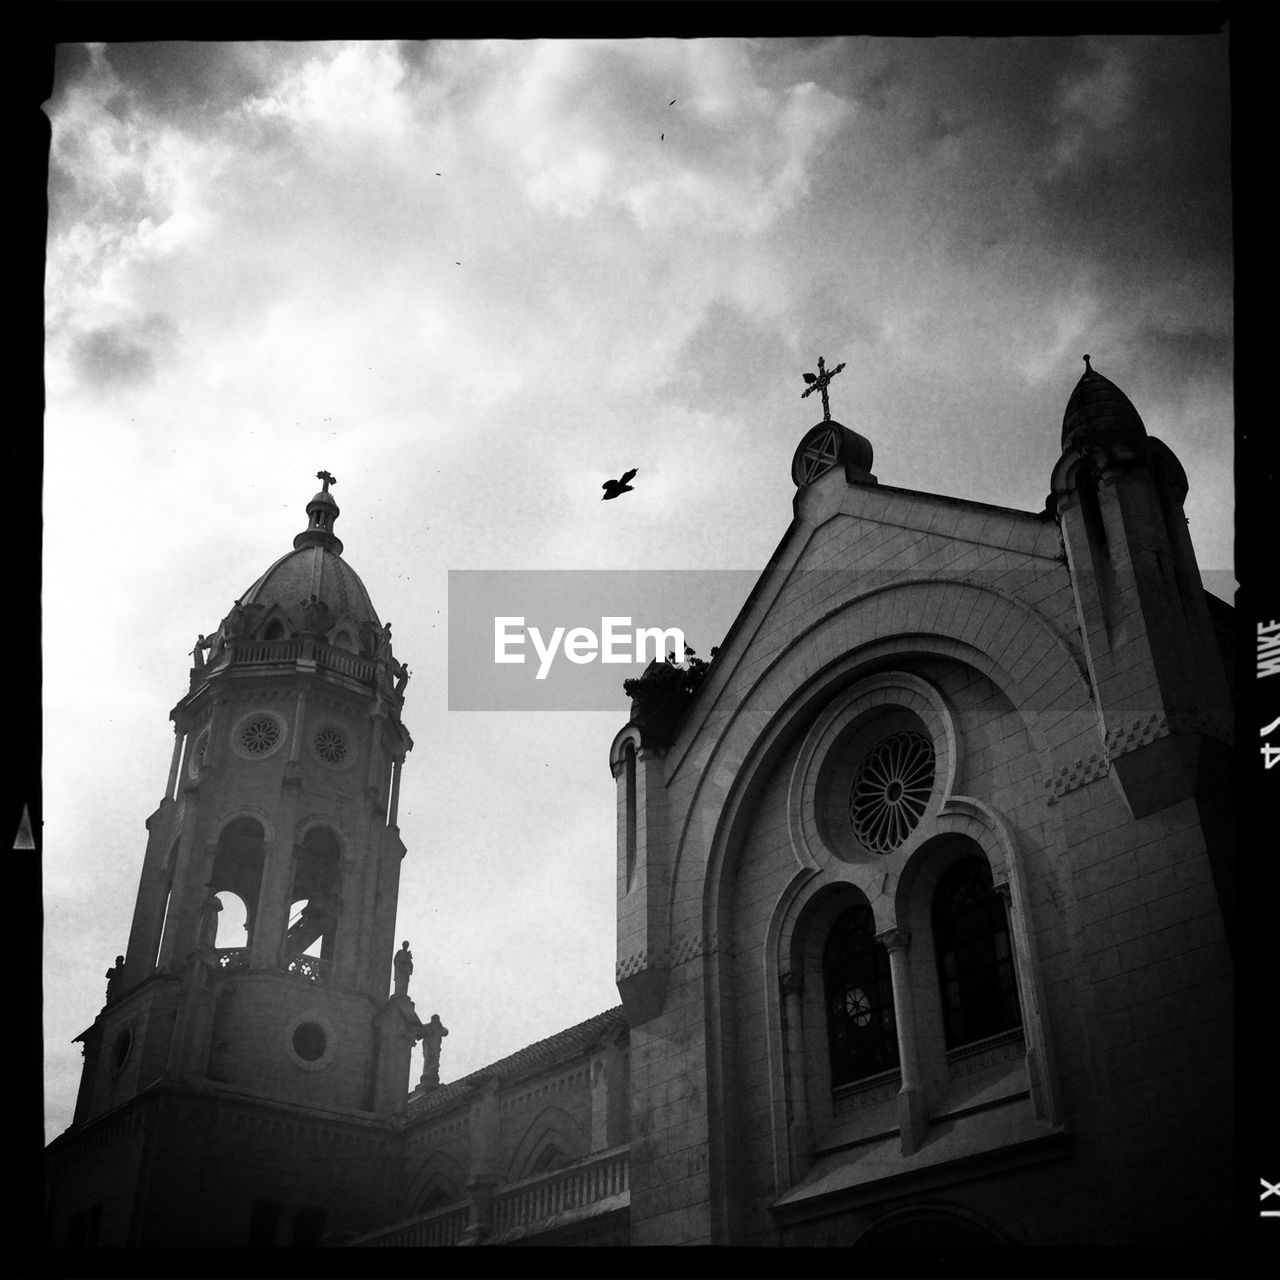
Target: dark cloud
(72, 64)
(195, 79)
(1153, 184)
(118, 355)
(1176, 358)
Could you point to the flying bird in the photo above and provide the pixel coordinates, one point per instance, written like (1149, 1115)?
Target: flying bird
(612, 488)
(672, 103)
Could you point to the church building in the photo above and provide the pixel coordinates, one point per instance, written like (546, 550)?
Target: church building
(924, 910)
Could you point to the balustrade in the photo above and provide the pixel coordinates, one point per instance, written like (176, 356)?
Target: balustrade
(561, 1190)
(436, 1230)
(527, 1203)
(310, 967)
(262, 652)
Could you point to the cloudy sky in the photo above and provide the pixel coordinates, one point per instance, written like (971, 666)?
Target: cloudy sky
(473, 280)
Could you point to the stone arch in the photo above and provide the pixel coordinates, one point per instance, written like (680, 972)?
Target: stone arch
(1000, 638)
(932, 1225)
(260, 816)
(328, 823)
(274, 625)
(438, 1181)
(1044, 682)
(551, 1127)
(628, 735)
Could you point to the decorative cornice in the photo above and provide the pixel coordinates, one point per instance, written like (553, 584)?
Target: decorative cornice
(1128, 736)
(684, 949)
(1076, 775)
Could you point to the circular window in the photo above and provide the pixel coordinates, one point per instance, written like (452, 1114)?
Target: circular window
(330, 745)
(309, 1041)
(261, 736)
(120, 1049)
(891, 790)
(258, 735)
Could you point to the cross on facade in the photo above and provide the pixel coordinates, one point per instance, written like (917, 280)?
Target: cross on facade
(327, 479)
(819, 382)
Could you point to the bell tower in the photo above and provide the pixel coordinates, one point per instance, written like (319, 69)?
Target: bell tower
(250, 1020)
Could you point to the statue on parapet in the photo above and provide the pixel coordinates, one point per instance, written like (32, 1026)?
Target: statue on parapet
(233, 625)
(432, 1034)
(403, 965)
(114, 977)
(209, 918)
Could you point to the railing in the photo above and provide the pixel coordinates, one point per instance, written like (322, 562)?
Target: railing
(439, 1229)
(348, 663)
(233, 957)
(311, 967)
(597, 1185)
(551, 1194)
(243, 653)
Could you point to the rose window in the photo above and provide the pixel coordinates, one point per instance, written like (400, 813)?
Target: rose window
(891, 791)
(857, 1006)
(330, 745)
(260, 736)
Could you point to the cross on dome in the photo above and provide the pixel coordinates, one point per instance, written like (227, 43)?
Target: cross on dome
(819, 382)
(326, 479)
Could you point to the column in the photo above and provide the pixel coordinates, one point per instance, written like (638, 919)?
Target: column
(272, 920)
(792, 985)
(485, 1131)
(913, 1103)
(393, 812)
(174, 761)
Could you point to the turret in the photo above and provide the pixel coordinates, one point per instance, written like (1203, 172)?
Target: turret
(1155, 665)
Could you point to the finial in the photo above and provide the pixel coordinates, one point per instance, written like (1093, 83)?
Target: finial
(327, 479)
(1088, 368)
(819, 382)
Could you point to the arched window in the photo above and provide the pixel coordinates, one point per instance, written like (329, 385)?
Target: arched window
(233, 921)
(315, 901)
(236, 881)
(859, 993)
(629, 766)
(975, 958)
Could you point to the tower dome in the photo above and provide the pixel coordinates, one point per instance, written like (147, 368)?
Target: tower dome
(1099, 410)
(310, 590)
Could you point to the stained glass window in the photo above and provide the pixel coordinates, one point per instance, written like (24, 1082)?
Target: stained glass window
(975, 958)
(859, 994)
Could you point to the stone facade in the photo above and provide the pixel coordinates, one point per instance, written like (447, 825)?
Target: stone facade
(924, 912)
(1064, 676)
